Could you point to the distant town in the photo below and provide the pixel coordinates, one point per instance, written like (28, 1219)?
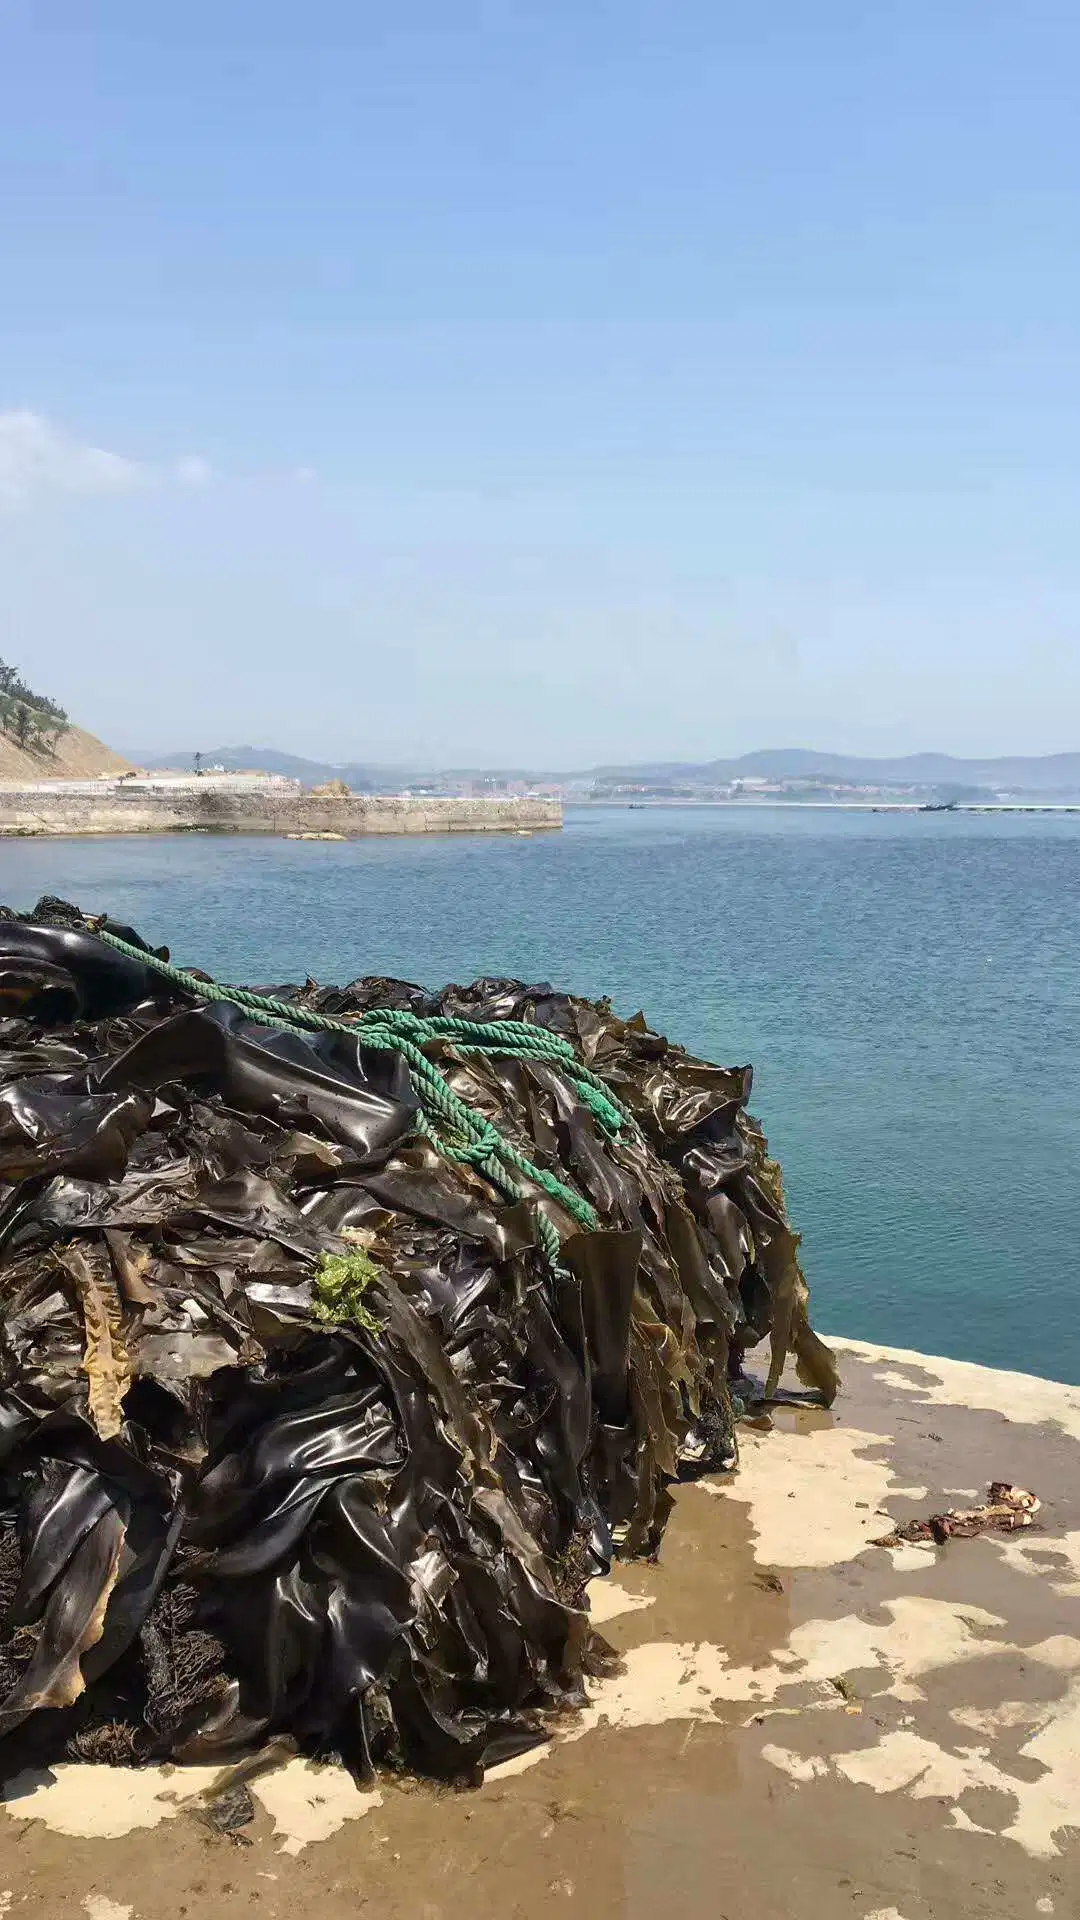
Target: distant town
(41, 749)
(790, 777)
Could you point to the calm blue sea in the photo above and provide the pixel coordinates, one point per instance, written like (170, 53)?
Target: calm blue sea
(907, 988)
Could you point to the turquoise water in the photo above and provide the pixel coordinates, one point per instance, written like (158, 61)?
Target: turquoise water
(907, 988)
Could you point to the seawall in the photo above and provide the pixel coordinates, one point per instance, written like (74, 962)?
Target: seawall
(273, 808)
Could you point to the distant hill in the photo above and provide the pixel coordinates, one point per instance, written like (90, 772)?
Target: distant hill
(1047, 773)
(76, 756)
(362, 779)
(1056, 773)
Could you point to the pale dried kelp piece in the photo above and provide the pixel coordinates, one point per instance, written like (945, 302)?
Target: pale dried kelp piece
(106, 1362)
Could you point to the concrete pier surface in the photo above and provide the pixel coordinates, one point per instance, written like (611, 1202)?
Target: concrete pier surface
(805, 1722)
(271, 806)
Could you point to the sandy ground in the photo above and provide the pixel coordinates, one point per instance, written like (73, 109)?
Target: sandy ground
(78, 756)
(806, 1723)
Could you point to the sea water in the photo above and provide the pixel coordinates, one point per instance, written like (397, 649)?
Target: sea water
(907, 988)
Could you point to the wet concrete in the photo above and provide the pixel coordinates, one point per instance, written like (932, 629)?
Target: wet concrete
(805, 1722)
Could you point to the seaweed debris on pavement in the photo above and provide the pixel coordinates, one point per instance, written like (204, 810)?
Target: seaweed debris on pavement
(304, 1433)
(1007, 1509)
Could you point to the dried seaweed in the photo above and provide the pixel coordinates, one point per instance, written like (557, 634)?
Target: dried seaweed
(301, 1437)
(106, 1362)
(1007, 1509)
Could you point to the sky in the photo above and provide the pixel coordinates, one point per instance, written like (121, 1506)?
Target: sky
(543, 382)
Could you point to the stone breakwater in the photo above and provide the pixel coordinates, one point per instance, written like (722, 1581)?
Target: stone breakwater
(272, 807)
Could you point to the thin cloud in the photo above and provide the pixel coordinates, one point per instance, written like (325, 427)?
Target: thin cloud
(193, 471)
(39, 459)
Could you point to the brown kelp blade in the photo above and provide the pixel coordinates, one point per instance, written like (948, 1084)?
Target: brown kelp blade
(305, 1436)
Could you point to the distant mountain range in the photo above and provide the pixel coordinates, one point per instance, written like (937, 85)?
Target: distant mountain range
(1047, 773)
(1035, 774)
(368, 776)
(294, 766)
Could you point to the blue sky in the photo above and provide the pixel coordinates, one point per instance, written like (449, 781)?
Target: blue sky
(519, 380)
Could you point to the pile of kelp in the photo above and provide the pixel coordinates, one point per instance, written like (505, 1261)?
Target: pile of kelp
(302, 1437)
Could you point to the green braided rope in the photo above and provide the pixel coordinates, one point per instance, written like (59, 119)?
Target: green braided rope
(455, 1129)
(505, 1038)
